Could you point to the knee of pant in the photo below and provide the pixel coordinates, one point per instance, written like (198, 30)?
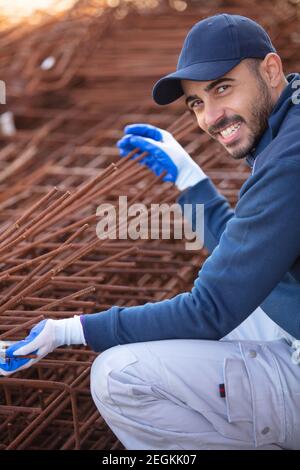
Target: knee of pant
(113, 359)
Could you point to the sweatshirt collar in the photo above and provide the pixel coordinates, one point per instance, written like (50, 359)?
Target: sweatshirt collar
(275, 119)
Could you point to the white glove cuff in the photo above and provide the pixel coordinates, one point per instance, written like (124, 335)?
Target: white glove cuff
(69, 331)
(189, 176)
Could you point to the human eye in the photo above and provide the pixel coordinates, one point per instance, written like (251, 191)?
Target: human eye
(195, 104)
(221, 89)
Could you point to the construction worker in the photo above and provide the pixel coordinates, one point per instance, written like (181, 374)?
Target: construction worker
(164, 380)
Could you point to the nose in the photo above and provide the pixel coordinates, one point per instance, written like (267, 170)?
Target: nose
(212, 114)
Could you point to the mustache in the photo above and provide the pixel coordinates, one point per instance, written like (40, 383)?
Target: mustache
(225, 122)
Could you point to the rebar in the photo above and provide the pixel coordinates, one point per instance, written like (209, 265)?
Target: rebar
(61, 164)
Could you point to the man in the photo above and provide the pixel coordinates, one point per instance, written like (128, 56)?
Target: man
(164, 381)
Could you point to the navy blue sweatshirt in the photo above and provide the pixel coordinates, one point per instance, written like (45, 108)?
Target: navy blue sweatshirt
(254, 251)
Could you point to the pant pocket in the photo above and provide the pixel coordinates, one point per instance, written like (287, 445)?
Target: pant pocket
(267, 392)
(237, 391)
(110, 361)
(254, 393)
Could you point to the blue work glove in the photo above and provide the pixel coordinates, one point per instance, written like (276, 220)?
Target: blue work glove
(164, 154)
(46, 336)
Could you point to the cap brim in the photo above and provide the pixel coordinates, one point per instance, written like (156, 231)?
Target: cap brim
(169, 89)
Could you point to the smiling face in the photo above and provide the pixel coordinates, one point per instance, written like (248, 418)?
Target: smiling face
(233, 109)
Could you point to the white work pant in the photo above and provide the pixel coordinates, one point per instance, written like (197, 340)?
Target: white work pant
(167, 394)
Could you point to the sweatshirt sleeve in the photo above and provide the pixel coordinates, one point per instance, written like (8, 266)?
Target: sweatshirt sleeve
(217, 211)
(242, 270)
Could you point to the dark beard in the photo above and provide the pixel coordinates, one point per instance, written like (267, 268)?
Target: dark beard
(258, 122)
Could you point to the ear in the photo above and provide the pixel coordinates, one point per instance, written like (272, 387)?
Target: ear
(271, 69)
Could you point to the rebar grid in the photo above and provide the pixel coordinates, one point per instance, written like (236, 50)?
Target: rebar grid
(55, 170)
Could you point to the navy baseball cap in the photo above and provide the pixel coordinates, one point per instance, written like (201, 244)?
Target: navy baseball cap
(213, 47)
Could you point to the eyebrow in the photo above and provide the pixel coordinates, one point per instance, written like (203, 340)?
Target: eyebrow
(209, 87)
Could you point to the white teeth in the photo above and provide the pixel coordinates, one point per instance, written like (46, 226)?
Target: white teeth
(230, 130)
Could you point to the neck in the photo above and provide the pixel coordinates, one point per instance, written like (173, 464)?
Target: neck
(281, 86)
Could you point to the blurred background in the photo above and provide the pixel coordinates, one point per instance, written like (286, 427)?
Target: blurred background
(108, 53)
(75, 73)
